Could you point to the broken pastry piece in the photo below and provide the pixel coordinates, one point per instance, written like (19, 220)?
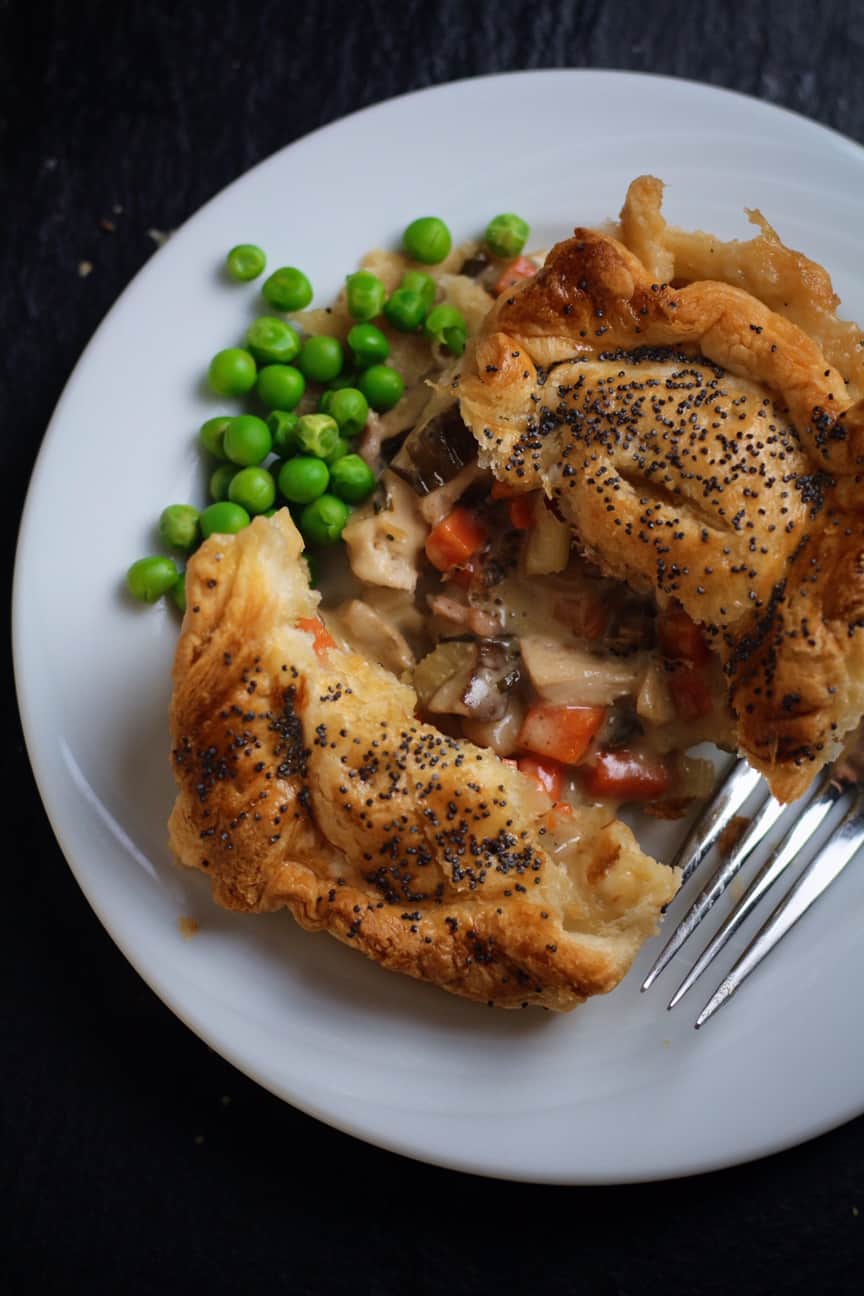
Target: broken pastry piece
(705, 448)
(306, 783)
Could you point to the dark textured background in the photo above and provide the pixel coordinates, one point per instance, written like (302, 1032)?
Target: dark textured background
(131, 1155)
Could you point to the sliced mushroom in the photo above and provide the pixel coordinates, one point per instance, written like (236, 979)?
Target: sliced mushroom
(438, 448)
(571, 676)
(386, 536)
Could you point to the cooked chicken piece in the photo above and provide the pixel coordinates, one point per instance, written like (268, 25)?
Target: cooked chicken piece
(372, 635)
(570, 676)
(385, 542)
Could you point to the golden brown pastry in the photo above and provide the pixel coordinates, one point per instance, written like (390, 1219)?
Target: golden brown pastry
(306, 783)
(703, 447)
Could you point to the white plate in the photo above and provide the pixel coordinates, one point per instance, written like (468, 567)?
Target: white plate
(620, 1090)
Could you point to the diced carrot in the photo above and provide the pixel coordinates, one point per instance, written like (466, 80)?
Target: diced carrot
(513, 273)
(690, 693)
(504, 490)
(521, 510)
(455, 539)
(562, 732)
(681, 638)
(626, 775)
(548, 775)
(322, 638)
(584, 614)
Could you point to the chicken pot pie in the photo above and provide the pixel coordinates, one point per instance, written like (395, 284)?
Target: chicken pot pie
(624, 524)
(307, 783)
(706, 448)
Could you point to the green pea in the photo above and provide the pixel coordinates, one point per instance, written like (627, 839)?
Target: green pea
(149, 578)
(253, 489)
(507, 235)
(281, 386)
(247, 440)
(283, 426)
(446, 326)
(178, 526)
(211, 434)
(382, 386)
(321, 358)
(223, 518)
(323, 521)
(287, 289)
(232, 372)
(220, 480)
(271, 512)
(350, 408)
(317, 434)
(417, 281)
(303, 479)
(245, 262)
(178, 592)
(405, 310)
(364, 294)
(272, 341)
(352, 479)
(427, 239)
(368, 344)
(338, 384)
(342, 448)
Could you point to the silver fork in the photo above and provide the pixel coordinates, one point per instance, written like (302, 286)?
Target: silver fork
(832, 790)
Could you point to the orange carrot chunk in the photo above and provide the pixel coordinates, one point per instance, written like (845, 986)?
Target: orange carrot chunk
(456, 538)
(562, 732)
(627, 776)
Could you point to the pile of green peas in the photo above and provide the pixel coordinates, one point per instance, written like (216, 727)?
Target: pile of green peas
(306, 461)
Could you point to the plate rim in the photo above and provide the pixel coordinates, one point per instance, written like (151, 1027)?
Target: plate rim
(149, 972)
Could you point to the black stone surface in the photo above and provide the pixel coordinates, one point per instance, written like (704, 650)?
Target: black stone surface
(132, 1158)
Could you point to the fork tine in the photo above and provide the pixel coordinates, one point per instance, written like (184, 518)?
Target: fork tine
(715, 886)
(778, 861)
(828, 863)
(736, 788)
(740, 782)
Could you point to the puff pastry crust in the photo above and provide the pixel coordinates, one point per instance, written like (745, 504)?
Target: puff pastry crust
(305, 782)
(704, 448)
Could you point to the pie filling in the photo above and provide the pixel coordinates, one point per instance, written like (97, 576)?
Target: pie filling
(480, 598)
